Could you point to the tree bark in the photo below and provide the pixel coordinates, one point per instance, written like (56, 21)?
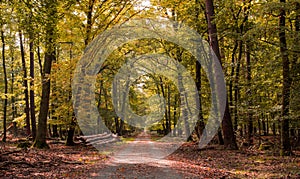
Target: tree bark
(231, 89)
(285, 138)
(51, 6)
(89, 15)
(229, 137)
(5, 86)
(70, 137)
(236, 84)
(200, 123)
(25, 84)
(40, 59)
(249, 95)
(166, 127)
(13, 100)
(169, 109)
(32, 101)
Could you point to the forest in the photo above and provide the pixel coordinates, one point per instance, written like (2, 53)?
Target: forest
(150, 89)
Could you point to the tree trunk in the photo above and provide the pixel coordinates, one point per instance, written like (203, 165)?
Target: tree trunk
(70, 137)
(235, 123)
(5, 86)
(200, 123)
(249, 96)
(229, 137)
(54, 129)
(89, 14)
(259, 129)
(175, 115)
(220, 137)
(166, 127)
(13, 106)
(274, 129)
(285, 138)
(184, 106)
(25, 84)
(51, 6)
(32, 103)
(121, 128)
(40, 60)
(236, 84)
(169, 109)
(296, 42)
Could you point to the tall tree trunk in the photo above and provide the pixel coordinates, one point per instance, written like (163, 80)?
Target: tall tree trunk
(25, 84)
(54, 97)
(13, 100)
(40, 58)
(99, 106)
(249, 95)
(184, 106)
(175, 115)
(166, 127)
(89, 15)
(51, 6)
(295, 70)
(285, 138)
(5, 86)
(169, 108)
(32, 103)
(229, 137)
(296, 41)
(71, 130)
(200, 123)
(236, 84)
(236, 44)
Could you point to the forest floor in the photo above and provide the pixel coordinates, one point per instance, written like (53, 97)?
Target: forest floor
(127, 162)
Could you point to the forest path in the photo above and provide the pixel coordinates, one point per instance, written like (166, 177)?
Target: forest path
(141, 158)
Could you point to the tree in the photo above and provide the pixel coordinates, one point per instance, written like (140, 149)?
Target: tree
(285, 138)
(200, 123)
(25, 83)
(249, 95)
(51, 22)
(229, 137)
(31, 56)
(5, 85)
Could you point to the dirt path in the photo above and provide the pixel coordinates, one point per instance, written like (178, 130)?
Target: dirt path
(141, 158)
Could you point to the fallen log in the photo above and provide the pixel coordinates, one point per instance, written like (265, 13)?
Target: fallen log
(106, 141)
(99, 139)
(92, 136)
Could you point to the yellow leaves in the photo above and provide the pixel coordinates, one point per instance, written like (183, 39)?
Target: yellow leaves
(20, 120)
(6, 96)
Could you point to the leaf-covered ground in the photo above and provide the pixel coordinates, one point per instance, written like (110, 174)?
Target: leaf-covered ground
(187, 162)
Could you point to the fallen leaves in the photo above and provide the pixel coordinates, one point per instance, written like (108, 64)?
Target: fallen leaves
(186, 162)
